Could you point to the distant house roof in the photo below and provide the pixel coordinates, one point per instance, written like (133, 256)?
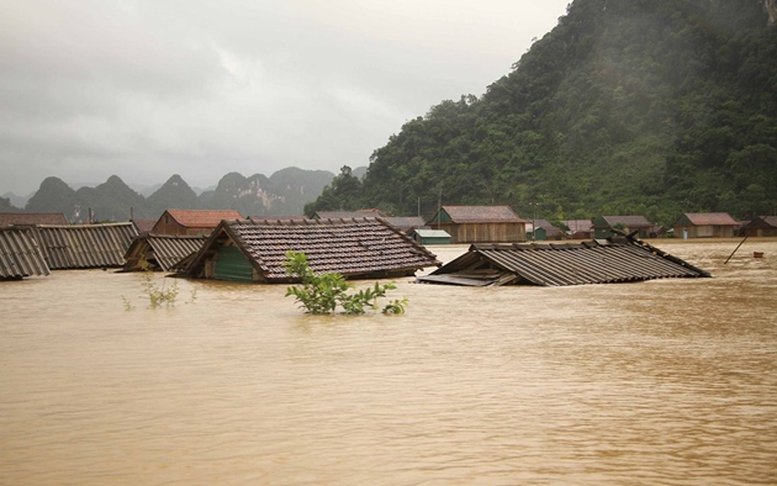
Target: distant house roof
(550, 230)
(8, 219)
(85, 246)
(579, 225)
(707, 219)
(617, 260)
(144, 225)
(405, 223)
(481, 214)
(20, 255)
(150, 252)
(360, 213)
(430, 233)
(355, 248)
(627, 221)
(202, 218)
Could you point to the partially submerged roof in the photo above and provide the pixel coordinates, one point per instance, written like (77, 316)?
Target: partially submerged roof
(481, 214)
(202, 218)
(405, 223)
(597, 261)
(355, 248)
(627, 221)
(430, 233)
(143, 225)
(20, 255)
(707, 219)
(160, 252)
(85, 246)
(9, 219)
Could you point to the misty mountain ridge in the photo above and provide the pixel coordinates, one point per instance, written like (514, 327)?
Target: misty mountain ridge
(284, 193)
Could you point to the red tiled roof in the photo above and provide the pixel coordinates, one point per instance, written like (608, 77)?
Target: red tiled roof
(202, 218)
(8, 219)
(711, 219)
(482, 214)
(364, 247)
(144, 225)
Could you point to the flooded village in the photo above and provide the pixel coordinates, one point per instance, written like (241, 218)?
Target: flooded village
(518, 370)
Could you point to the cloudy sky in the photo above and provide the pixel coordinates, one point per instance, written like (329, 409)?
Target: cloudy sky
(149, 88)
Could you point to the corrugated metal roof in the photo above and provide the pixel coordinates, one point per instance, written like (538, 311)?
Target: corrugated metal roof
(353, 248)
(160, 251)
(482, 214)
(20, 255)
(8, 219)
(202, 218)
(598, 261)
(711, 219)
(85, 246)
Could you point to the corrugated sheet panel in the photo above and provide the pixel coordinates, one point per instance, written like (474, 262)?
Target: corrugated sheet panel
(569, 264)
(87, 246)
(169, 249)
(20, 255)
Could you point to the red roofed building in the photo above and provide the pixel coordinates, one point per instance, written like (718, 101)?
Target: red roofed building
(705, 225)
(192, 221)
(480, 224)
(762, 226)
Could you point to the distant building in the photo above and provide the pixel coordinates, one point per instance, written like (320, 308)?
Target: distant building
(541, 230)
(359, 213)
(761, 226)
(579, 229)
(705, 225)
(22, 219)
(480, 224)
(604, 226)
(192, 221)
(405, 223)
(426, 236)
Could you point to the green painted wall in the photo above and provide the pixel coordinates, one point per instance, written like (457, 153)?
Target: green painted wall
(231, 264)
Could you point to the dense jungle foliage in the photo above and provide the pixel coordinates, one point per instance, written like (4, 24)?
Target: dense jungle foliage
(652, 107)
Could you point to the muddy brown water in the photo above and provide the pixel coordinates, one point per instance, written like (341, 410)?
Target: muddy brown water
(670, 382)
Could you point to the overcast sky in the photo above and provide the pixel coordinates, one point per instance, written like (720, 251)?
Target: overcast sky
(148, 89)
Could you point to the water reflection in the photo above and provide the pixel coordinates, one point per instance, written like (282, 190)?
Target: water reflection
(662, 382)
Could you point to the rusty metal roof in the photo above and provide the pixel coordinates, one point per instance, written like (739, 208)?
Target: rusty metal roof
(482, 214)
(160, 251)
(85, 246)
(597, 261)
(360, 247)
(20, 255)
(8, 219)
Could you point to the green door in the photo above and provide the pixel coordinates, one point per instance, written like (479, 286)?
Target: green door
(231, 264)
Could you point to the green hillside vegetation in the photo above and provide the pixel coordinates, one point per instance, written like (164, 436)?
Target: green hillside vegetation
(651, 107)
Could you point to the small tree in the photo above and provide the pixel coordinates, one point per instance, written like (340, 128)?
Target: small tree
(322, 294)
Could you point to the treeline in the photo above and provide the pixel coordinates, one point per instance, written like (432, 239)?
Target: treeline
(652, 107)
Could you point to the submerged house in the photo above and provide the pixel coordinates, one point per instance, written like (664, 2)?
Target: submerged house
(579, 229)
(191, 221)
(426, 236)
(639, 225)
(705, 225)
(85, 246)
(480, 224)
(761, 226)
(255, 250)
(160, 252)
(20, 255)
(621, 259)
(406, 223)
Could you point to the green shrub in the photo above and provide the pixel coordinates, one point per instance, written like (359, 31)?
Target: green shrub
(322, 294)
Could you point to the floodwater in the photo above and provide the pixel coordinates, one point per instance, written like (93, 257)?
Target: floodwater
(670, 382)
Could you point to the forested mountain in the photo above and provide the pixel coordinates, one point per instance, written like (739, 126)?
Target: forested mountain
(283, 193)
(652, 107)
